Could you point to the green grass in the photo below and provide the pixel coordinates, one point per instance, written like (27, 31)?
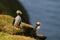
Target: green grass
(6, 19)
(5, 36)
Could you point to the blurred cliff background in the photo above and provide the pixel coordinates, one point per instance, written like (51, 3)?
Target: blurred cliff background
(48, 12)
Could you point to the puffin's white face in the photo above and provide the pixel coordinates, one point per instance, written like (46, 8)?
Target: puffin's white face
(18, 11)
(38, 22)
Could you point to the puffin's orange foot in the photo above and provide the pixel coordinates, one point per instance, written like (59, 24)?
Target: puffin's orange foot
(16, 28)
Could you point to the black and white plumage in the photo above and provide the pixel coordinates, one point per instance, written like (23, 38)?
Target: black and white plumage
(37, 26)
(17, 20)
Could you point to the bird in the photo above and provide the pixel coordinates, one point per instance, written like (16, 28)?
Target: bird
(17, 20)
(37, 27)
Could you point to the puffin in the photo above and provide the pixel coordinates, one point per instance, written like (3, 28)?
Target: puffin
(37, 27)
(17, 20)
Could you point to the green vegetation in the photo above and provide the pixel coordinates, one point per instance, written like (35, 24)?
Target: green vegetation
(6, 29)
(5, 36)
(6, 19)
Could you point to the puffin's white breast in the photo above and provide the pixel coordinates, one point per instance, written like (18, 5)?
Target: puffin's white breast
(17, 20)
